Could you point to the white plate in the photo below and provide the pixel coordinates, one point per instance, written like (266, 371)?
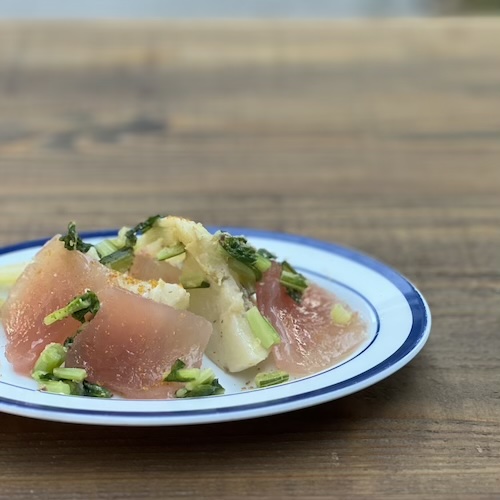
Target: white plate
(399, 325)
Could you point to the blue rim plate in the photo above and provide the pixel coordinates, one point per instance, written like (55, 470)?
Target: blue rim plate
(397, 314)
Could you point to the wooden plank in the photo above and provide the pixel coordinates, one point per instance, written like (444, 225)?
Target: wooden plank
(384, 136)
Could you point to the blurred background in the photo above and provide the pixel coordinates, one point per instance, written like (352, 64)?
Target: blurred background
(208, 109)
(245, 8)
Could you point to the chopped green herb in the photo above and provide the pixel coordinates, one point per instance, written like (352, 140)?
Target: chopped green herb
(209, 389)
(169, 252)
(141, 228)
(205, 376)
(72, 240)
(71, 388)
(340, 315)
(198, 382)
(118, 254)
(95, 390)
(294, 282)
(120, 260)
(240, 252)
(262, 263)
(262, 328)
(40, 376)
(73, 374)
(53, 377)
(106, 247)
(271, 378)
(178, 365)
(246, 274)
(51, 357)
(78, 308)
(179, 373)
(266, 254)
(57, 387)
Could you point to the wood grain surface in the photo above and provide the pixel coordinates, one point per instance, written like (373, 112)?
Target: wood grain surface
(383, 136)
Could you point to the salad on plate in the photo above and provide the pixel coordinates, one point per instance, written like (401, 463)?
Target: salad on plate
(147, 313)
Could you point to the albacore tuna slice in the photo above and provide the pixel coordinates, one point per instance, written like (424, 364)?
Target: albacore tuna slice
(310, 341)
(54, 278)
(132, 341)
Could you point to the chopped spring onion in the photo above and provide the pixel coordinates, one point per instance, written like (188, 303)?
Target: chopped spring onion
(271, 378)
(141, 228)
(74, 374)
(198, 382)
(70, 388)
(340, 315)
(205, 376)
(105, 248)
(266, 254)
(53, 377)
(262, 328)
(118, 254)
(179, 373)
(210, 389)
(169, 252)
(262, 263)
(51, 357)
(294, 282)
(120, 260)
(78, 308)
(57, 387)
(242, 255)
(246, 274)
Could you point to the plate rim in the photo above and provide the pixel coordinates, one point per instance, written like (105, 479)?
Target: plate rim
(415, 340)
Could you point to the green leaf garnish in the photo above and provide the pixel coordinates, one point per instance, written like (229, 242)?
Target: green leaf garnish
(78, 308)
(198, 382)
(241, 253)
(141, 228)
(72, 240)
(294, 282)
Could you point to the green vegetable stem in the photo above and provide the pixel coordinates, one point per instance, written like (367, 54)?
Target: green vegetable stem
(78, 308)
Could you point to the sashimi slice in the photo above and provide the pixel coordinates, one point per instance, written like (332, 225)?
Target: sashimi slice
(54, 278)
(132, 341)
(310, 341)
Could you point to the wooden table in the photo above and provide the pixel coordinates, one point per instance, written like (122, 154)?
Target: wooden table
(383, 136)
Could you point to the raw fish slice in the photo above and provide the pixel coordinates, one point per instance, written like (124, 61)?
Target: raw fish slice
(310, 342)
(53, 279)
(133, 341)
